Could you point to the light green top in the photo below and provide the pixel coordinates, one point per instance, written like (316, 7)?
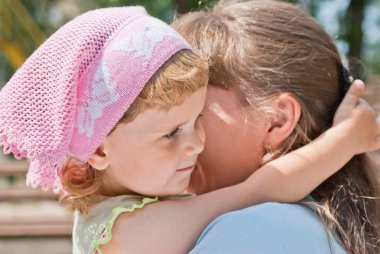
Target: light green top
(92, 229)
(95, 228)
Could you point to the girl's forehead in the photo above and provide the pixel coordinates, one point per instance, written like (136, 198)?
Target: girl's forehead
(159, 119)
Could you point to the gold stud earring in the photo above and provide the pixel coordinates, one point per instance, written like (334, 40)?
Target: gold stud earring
(268, 155)
(269, 149)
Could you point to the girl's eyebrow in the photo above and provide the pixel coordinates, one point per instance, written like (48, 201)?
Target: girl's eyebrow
(167, 128)
(161, 127)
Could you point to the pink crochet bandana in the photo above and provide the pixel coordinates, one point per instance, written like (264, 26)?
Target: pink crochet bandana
(76, 86)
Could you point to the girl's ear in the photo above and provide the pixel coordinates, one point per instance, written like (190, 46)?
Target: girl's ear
(283, 122)
(99, 159)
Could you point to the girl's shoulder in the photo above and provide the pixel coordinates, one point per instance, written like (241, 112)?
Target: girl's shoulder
(133, 229)
(95, 228)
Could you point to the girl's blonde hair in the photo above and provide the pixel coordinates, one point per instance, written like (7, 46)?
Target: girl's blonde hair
(265, 48)
(183, 74)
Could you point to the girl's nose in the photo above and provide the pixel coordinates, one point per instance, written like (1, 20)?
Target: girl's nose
(196, 142)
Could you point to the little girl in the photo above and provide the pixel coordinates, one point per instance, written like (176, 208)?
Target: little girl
(107, 110)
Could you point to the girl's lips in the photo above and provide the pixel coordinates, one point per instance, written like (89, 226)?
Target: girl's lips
(191, 168)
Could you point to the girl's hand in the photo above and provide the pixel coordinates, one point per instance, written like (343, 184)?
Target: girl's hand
(358, 120)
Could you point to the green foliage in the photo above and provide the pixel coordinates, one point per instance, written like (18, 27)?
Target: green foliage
(49, 15)
(163, 9)
(5, 69)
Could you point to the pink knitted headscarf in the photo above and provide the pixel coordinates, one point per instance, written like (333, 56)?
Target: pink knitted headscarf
(76, 86)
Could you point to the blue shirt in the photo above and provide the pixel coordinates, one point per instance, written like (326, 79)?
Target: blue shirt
(273, 228)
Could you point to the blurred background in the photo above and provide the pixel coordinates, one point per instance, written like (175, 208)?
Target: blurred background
(31, 221)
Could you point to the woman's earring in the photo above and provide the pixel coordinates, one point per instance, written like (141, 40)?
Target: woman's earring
(268, 155)
(269, 150)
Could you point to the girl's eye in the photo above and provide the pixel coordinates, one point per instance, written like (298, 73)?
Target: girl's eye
(172, 134)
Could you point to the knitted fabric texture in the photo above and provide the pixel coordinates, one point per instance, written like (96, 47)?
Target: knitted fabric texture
(75, 87)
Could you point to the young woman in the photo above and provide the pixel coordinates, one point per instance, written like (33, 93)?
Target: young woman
(267, 60)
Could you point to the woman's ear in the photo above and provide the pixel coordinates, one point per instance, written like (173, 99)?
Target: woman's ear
(99, 160)
(283, 122)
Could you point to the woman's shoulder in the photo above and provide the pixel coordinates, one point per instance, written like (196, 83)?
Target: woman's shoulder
(268, 219)
(272, 212)
(268, 228)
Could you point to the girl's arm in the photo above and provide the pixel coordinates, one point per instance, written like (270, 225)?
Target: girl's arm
(174, 226)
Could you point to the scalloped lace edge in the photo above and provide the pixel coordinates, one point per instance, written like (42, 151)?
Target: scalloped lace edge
(116, 213)
(16, 144)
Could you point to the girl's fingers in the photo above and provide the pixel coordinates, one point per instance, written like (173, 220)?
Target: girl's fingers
(352, 97)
